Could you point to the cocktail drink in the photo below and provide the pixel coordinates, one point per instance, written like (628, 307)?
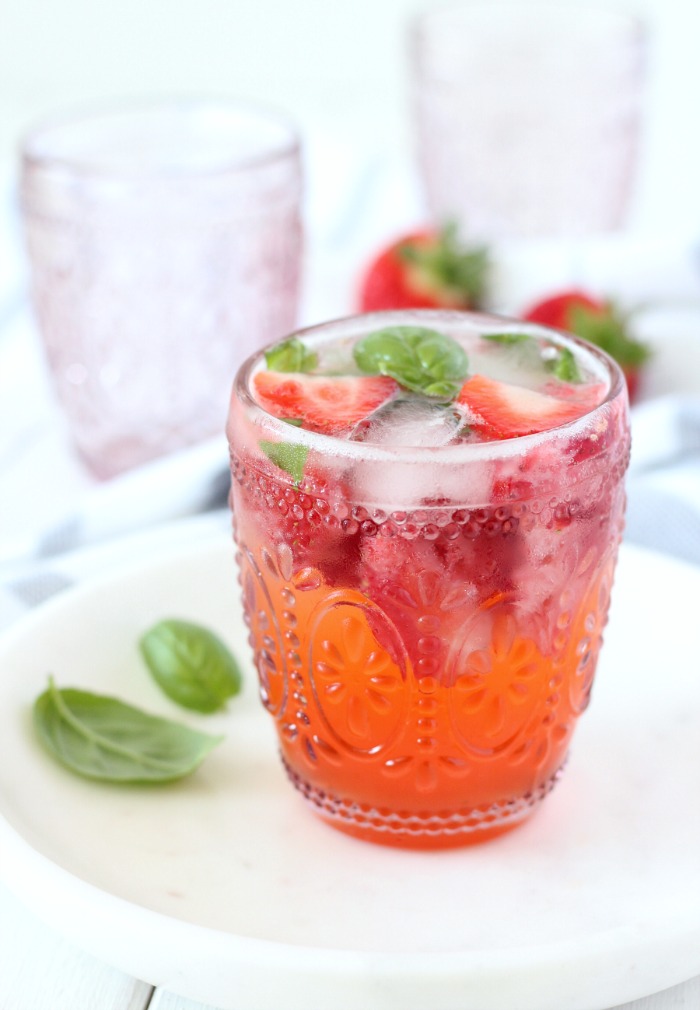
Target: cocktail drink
(427, 508)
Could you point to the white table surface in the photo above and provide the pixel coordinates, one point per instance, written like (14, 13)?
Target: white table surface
(40, 480)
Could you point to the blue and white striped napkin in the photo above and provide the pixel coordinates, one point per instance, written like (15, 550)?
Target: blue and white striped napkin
(663, 484)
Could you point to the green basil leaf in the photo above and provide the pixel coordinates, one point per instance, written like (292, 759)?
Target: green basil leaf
(506, 338)
(565, 366)
(288, 457)
(290, 356)
(103, 738)
(422, 360)
(562, 361)
(191, 665)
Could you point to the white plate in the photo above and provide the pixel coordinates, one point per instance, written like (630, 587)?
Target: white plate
(226, 889)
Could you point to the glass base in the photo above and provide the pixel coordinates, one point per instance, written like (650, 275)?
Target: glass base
(421, 831)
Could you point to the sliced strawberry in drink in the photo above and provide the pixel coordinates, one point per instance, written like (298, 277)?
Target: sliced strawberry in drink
(430, 585)
(331, 405)
(502, 410)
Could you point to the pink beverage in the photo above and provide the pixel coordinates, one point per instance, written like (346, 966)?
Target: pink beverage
(427, 507)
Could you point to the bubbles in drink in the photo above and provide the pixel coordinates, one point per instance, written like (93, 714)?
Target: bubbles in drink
(445, 602)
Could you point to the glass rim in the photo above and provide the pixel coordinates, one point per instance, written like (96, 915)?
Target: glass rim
(33, 157)
(462, 452)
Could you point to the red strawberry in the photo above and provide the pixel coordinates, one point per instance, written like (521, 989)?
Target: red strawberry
(558, 311)
(428, 588)
(425, 269)
(598, 322)
(502, 410)
(331, 405)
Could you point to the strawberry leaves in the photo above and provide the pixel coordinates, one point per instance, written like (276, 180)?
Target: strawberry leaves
(599, 322)
(609, 331)
(446, 267)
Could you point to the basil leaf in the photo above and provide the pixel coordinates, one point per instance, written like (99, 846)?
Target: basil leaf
(506, 338)
(420, 359)
(191, 665)
(565, 366)
(103, 738)
(562, 361)
(290, 356)
(288, 457)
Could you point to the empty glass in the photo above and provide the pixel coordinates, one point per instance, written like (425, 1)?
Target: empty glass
(527, 116)
(164, 244)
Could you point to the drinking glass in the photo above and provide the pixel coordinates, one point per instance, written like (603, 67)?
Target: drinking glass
(426, 620)
(527, 116)
(164, 246)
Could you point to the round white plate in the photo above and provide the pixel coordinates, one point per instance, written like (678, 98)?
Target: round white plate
(226, 889)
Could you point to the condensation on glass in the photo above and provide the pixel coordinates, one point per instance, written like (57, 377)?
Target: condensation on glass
(426, 621)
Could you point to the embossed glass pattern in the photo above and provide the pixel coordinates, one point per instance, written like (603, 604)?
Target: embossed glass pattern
(527, 117)
(164, 245)
(426, 622)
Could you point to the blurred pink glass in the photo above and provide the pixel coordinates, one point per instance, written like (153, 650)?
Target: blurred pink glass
(528, 116)
(164, 244)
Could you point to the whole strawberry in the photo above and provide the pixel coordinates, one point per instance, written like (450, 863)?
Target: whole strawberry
(426, 269)
(600, 323)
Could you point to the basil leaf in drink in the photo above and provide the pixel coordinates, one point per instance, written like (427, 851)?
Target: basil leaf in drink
(191, 665)
(103, 738)
(290, 356)
(558, 360)
(565, 366)
(422, 360)
(288, 457)
(506, 338)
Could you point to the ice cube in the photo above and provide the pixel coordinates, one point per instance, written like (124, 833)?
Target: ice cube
(516, 364)
(413, 422)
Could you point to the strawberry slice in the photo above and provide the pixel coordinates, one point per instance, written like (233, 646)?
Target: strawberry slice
(559, 311)
(501, 410)
(330, 405)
